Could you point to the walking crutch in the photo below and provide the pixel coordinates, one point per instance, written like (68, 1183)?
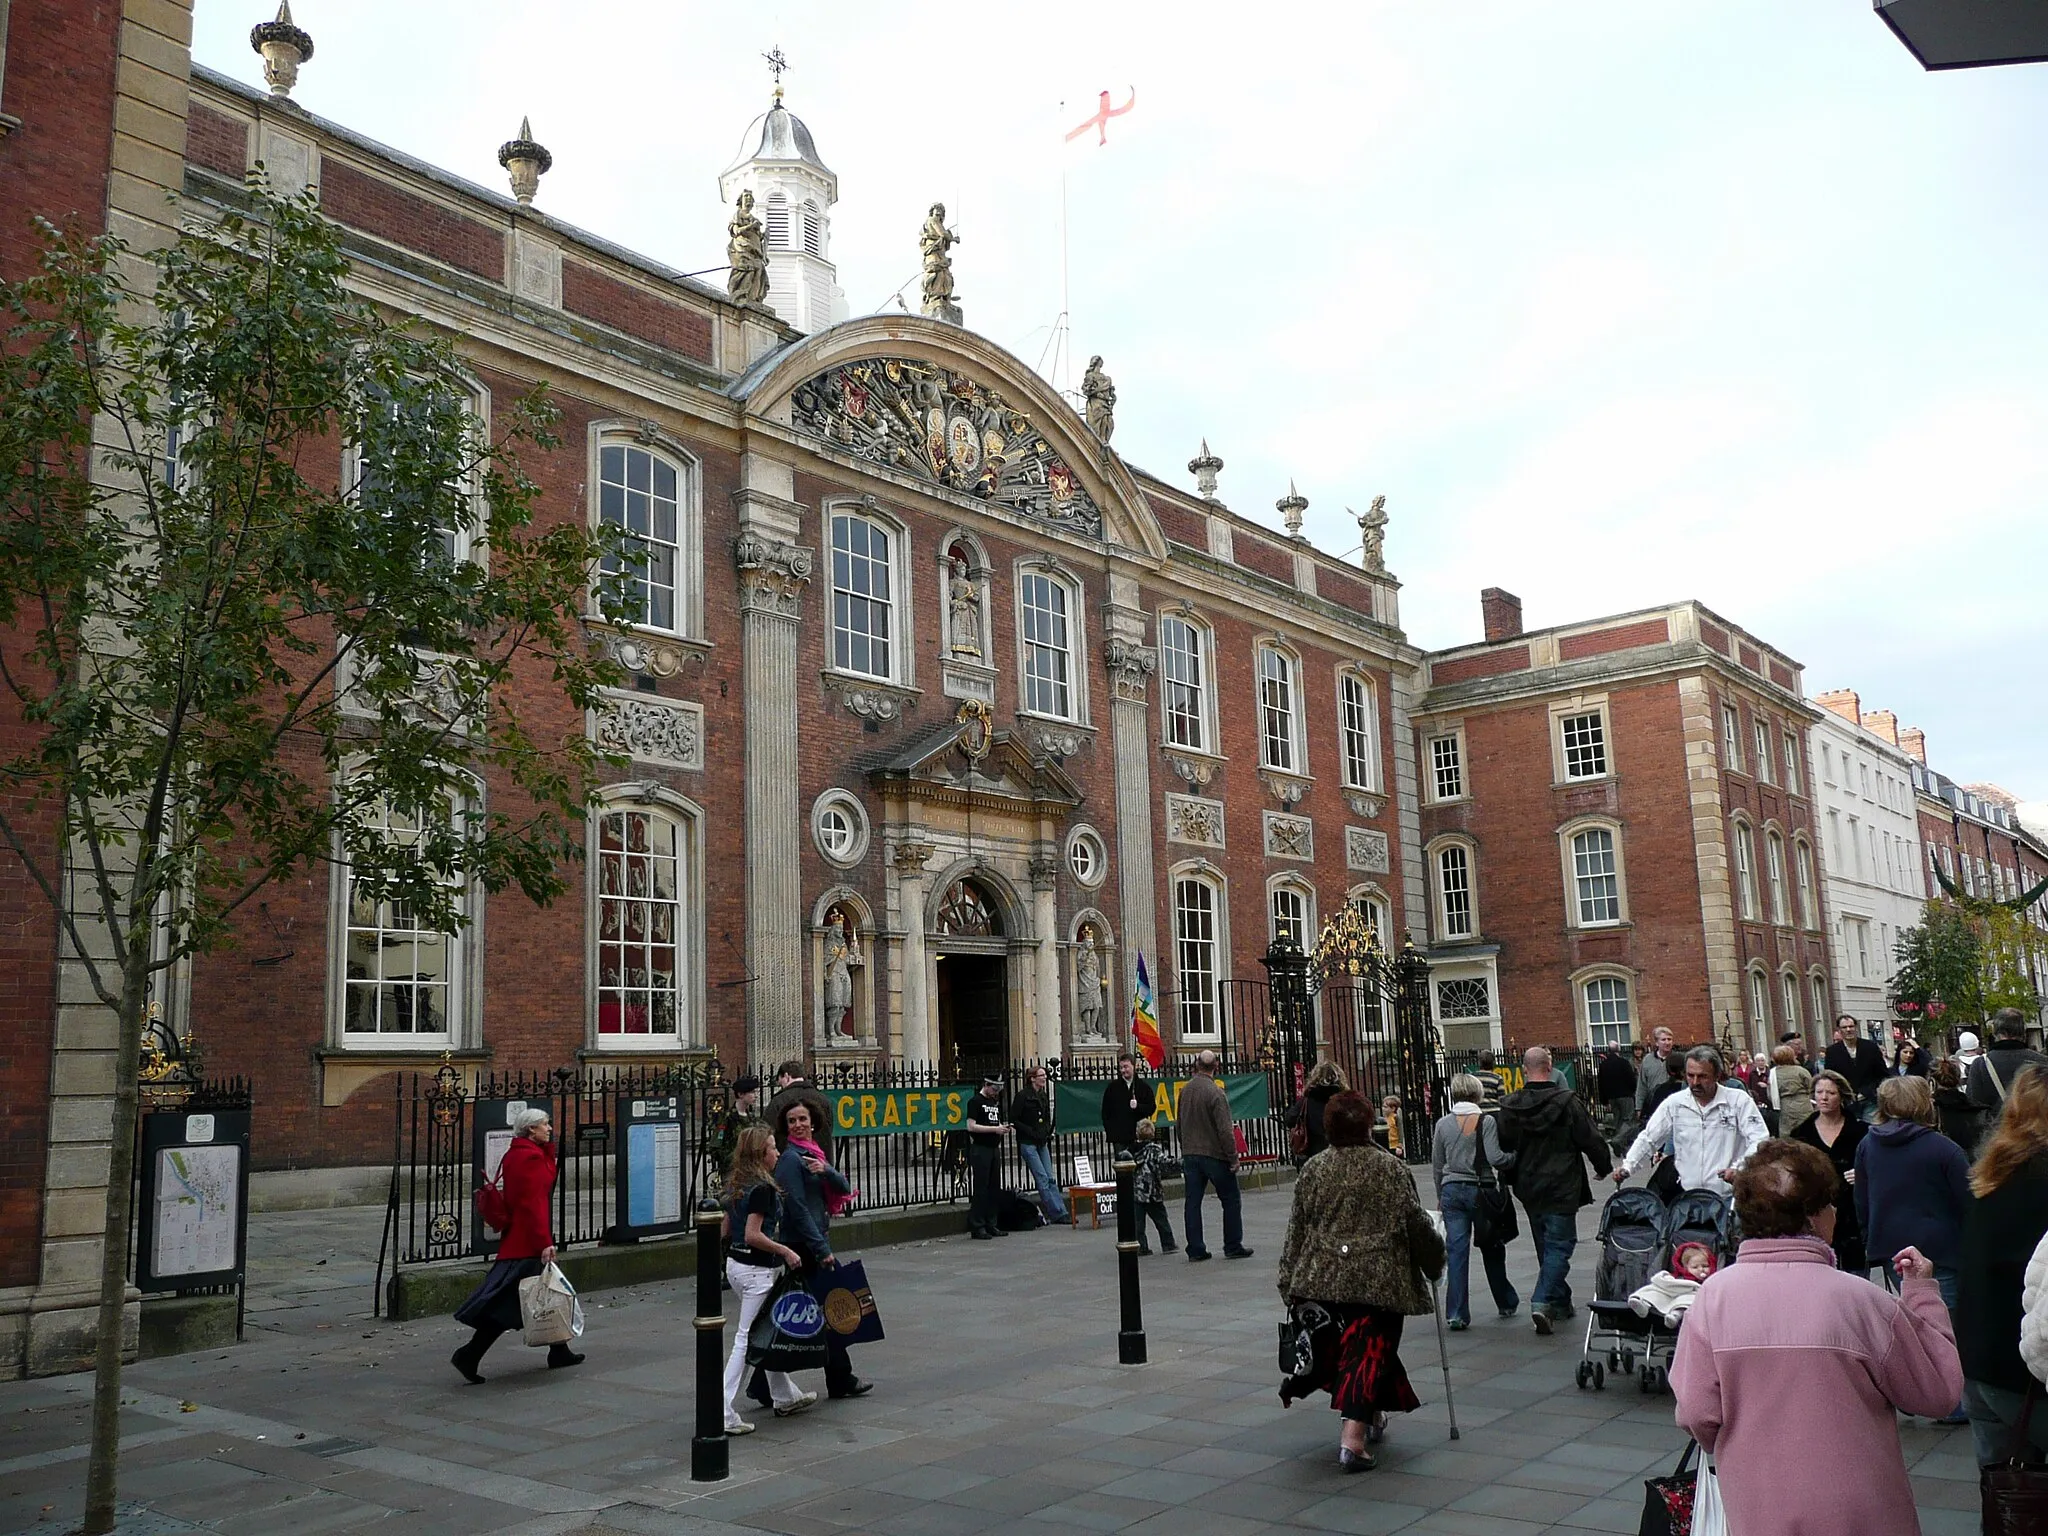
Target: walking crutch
(1443, 1350)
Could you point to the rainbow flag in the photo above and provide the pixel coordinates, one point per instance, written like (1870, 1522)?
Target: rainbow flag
(1144, 1022)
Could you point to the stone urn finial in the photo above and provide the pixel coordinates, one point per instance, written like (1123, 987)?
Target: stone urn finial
(1204, 467)
(526, 161)
(284, 47)
(1290, 507)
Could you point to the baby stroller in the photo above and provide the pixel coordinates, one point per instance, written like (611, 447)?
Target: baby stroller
(1632, 1245)
(1701, 1216)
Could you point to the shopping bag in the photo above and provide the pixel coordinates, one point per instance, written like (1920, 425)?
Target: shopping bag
(550, 1312)
(789, 1331)
(1668, 1501)
(1493, 1223)
(848, 1302)
(1709, 1518)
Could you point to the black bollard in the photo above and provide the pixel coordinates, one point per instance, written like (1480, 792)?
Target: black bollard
(1130, 1339)
(710, 1451)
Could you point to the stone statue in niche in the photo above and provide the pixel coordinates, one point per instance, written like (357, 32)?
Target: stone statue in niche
(746, 251)
(842, 955)
(1098, 399)
(963, 609)
(1090, 1005)
(934, 242)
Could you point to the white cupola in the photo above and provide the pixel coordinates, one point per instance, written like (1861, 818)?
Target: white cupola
(793, 197)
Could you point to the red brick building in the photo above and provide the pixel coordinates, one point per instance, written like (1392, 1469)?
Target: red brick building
(1617, 830)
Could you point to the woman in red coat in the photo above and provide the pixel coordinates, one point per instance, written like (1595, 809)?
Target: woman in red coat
(528, 1175)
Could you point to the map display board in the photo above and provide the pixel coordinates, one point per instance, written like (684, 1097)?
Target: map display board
(195, 1199)
(647, 1169)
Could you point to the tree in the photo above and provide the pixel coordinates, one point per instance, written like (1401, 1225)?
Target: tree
(1969, 958)
(231, 666)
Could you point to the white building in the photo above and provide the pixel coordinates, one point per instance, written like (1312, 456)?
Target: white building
(793, 196)
(1869, 850)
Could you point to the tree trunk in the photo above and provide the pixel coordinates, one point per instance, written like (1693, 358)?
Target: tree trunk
(104, 1464)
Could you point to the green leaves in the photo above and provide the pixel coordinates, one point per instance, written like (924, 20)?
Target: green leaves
(294, 592)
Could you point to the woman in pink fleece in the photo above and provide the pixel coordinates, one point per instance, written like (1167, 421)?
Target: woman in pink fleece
(1785, 1364)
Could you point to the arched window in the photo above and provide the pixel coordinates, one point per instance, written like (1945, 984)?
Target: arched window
(641, 492)
(1760, 1003)
(966, 910)
(1291, 910)
(1358, 729)
(1821, 1001)
(1788, 991)
(1457, 905)
(1593, 875)
(1197, 948)
(1184, 650)
(1046, 609)
(1774, 868)
(641, 873)
(403, 984)
(863, 596)
(1745, 870)
(1280, 744)
(778, 222)
(814, 231)
(1802, 860)
(1609, 1011)
(1372, 906)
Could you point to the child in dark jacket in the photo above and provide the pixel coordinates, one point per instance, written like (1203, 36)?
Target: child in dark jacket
(1146, 1191)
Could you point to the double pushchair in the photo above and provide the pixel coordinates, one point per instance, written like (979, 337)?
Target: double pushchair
(1639, 1233)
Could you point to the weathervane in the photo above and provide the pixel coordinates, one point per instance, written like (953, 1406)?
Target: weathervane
(777, 64)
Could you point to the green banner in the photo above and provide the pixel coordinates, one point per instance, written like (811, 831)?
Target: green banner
(1078, 1106)
(892, 1111)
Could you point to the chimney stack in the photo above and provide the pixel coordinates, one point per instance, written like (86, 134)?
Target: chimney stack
(1882, 722)
(1913, 741)
(1502, 612)
(1843, 702)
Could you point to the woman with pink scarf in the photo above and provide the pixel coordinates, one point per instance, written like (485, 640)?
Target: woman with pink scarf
(1786, 1363)
(813, 1192)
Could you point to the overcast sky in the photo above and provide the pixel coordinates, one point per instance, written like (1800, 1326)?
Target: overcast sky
(1616, 301)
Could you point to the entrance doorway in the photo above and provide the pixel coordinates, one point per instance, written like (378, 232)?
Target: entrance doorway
(974, 1013)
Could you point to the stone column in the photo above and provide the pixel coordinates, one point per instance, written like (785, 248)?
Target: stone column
(1045, 918)
(1131, 665)
(773, 575)
(910, 857)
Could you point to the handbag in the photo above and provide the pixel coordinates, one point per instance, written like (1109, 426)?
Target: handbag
(1668, 1501)
(789, 1330)
(1493, 1218)
(550, 1311)
(1307, 1329)
(491, 1204)
(2014, 1492)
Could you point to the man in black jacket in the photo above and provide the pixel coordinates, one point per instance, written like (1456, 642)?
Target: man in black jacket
(1125, 1101)
(1992, 1073)
(1551, 1135)
(1859, 1060)
(1615, 1079)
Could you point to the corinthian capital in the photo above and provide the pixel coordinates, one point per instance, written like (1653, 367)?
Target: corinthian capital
(910, 858)
(773, 575)
(1130, 666)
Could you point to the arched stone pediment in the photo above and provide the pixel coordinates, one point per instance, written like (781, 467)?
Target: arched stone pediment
(929, 401)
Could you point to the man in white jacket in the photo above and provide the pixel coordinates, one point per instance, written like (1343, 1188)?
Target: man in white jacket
(1710, 1128)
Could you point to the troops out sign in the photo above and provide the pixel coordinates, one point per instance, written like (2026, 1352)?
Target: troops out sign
(1078, 1106)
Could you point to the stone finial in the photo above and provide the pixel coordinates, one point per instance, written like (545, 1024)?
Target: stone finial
(1290, 507)
(1204, 466)
(284, 48)
(526, 161)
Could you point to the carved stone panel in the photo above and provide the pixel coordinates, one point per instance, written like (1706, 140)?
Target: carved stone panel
(650, 730)
(1365, 803)
(1192, 819)
(926, 420)
(1367, 850)
(536, 270)
(1197, 770)
(869, 699)
(1289, 837)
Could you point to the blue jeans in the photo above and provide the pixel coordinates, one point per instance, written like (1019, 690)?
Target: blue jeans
(1555, 1236)
(1201, 1172)
(1041, 1174)
(1458, 1202)
(1995, 1420)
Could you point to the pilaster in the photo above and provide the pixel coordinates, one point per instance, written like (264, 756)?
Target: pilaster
(1407, 810)
(1131, 664)
(1701, 734)
(1045, 919)
(909, 859)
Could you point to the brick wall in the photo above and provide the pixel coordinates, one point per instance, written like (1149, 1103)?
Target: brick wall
(393, 214)
(635, 311)
(1263, 556)
(217, 141)
(1618, 637)
(1460, 669)
(1179, 524)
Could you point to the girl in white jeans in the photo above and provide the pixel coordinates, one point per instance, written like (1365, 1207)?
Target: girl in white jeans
(754, 1257)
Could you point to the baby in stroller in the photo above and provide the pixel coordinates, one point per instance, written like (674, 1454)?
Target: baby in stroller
(1652, 1260)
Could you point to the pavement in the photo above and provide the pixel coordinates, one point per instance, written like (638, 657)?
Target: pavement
(999, 1404)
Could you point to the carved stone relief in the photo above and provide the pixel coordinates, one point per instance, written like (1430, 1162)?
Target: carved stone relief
(1289, 837)
(772, 575)
(1284, 787)
(1364, 803)
(1051, 741)
(1365, 849)
(943, 426)
(868, 699)
(536, 270)
(649, 730)
(1197, 771)
(1130, 666)
(1192, 819)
